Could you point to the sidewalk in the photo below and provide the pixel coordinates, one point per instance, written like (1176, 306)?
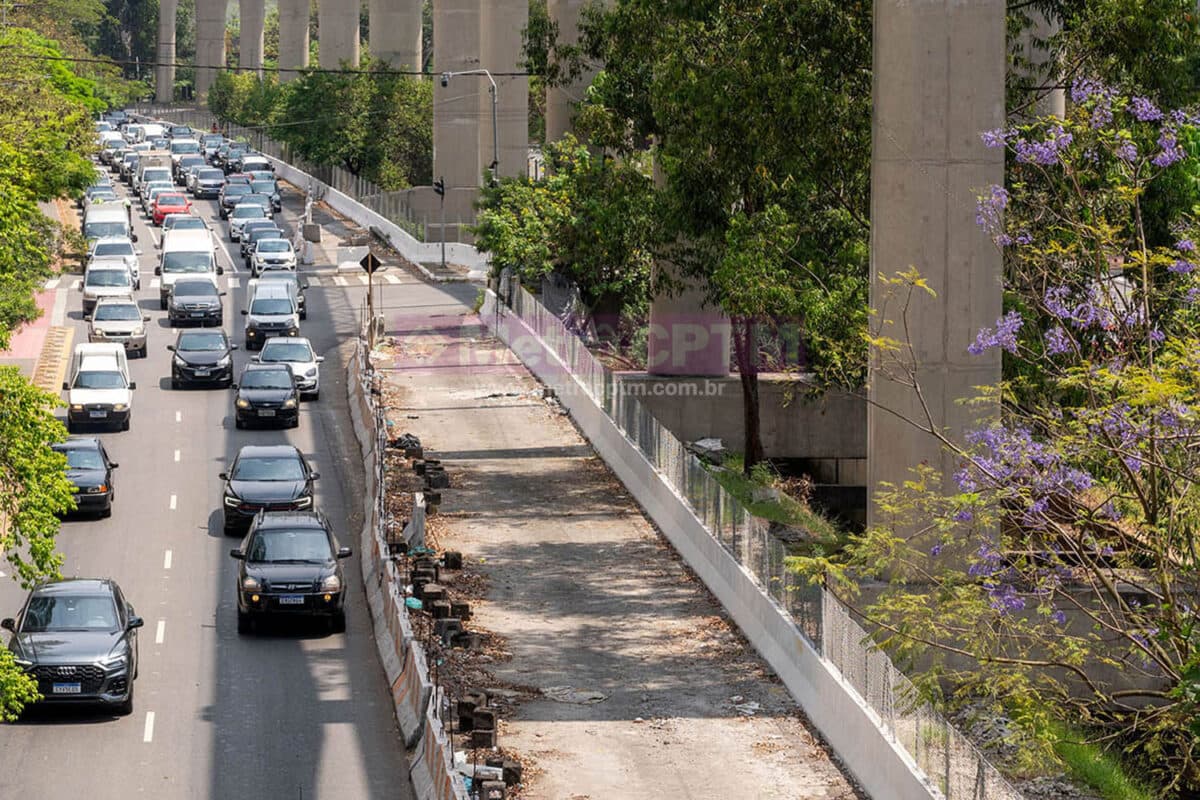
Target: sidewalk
(625, 679)
(25, 345)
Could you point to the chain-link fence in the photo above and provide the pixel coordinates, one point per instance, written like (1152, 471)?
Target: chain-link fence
(953, 764)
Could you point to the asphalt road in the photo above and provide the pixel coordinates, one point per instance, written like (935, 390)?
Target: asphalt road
(291, 714)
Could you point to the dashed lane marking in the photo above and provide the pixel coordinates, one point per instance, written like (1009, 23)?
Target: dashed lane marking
(393, 279)
(167, 560)
(173, 502)
(338, 280)
(160, 631)
(155, 283)
(76, 284)
(148, 731)
(52, 284)
(235, 283)
(179, 416)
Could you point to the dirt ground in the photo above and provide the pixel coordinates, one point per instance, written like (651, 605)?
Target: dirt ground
(617, 675)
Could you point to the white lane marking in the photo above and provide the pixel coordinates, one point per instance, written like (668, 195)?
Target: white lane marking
(393, 279)
(77, 283)
(176, 455)
(364, 279)
(52, 284)
(173, 501)
(338, 280)
(179, 416)
(58, 316)
(232, 263)
(167, 560)
(234, 283)
(148, 733)
(160, 631)
(154, 236)
(155, 283)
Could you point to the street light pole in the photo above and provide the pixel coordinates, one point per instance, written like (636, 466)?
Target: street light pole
(446, 76)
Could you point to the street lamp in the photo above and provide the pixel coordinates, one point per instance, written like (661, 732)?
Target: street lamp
(446, 76)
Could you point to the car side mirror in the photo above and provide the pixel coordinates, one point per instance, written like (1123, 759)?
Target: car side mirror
(113, 465)
(238, 553)
(223, 293)
(223, 476)
(134, 622)
(221, 271)
(87, 317)
(132, 237)
(145, 317)
(233, 347)
(320, 359)
(137, 251)
(8, 624)
(233, 386)
(244, 312)
(344, 552)
(158, 270)
(132, 385)
(315, 476)
(256, 359)
(171, 347)
(66, 385)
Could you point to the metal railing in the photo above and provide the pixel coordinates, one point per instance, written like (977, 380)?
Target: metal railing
(953, 764)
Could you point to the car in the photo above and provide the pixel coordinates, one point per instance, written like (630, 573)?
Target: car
(183, 222)
(77, 637)
(105, 279)
(272, 309)
(298, 354)
(195, 300)
(89, 469)
(263, 200)
(180, 132)
(186, 165)
(126, 164)
(250, 161)
(117, 248)
(298, 285)
(201, 357)
(251, 233)
(231, 155)
(169, 203)
(229, 196)
(118, 319)
(268, 188)
(289, 564)
(238, 177)
(210, 142)
(151, 191)
(266, 393)
(272, 254)
(265, 478)
(208, 182)
(240, 215)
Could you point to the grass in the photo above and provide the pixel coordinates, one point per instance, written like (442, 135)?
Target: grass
(1094, 766)
(786, 510)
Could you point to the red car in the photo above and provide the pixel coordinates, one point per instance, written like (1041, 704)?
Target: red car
(170, 203)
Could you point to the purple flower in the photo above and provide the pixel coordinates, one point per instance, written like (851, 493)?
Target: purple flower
(1045, 152)
(995, 138)
(1192, 295)
(935, 551)
(964, 515)
(1024, 237)
(1143, 110)
(1059, 617)
(1101, 115)
(1085, 88)
(1004, 336)
(1182, 267)
(1127, 151)
(1171, 151)
(1056, 301)
(1157, 336)
(1185, 246)
(1057, 341)
(1005, 599)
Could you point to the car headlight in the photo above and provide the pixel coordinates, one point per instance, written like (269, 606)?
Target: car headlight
(115, 661)
(331, 584)
(303, 502)
(289, 403)
(311, 373)
(251, 584)
(76, 407)
(101, 489)
(138, 331)
(232, 502)
(99, 333)
(119, 406)
(243, 402)
(224, 362)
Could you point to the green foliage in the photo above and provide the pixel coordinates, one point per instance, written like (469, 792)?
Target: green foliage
(17, 688)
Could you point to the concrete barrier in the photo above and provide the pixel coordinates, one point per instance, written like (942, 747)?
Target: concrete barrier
(879, 763)
(433, 774)
(410, 695)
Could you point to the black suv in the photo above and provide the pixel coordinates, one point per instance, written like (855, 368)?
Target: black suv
(202, 357)
(78, 639)
(90, 472)
(195, 300)
(231, 194)
(265, 478)
(289, 565)
(266, 393)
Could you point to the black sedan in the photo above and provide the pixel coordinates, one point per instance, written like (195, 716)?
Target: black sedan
(266, 478)
(254, 230)
(267, 393)
(201, 357)
(90, 471)
(289, 565)
(231, 194)
(196, 300)
(78, 639)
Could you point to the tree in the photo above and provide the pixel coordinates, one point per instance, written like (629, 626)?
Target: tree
(1060, 579)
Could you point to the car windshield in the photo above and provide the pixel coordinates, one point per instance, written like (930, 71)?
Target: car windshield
(196, 289)
(303, 545)
(107, 277)
(61, 612)
(106, 379)
(210, 175)
(271, 305)
(201, 342)
(187, 262)
(156, 174)
(281, 350)
(236, 189)
(267, 379)
(263, 187)
(80, 458)
(274, 246)
(264, 468)
(113, 249)
(98, 230)
(185, 222)
(172, 200)
(248, 212)
(184, 147)
(118, 312)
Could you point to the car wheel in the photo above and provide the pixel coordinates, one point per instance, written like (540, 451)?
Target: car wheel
(237, 423)
(315, 396)
(71, 427)
(106, 512)
(124, 709)
(245, 623)
(337, 623)
(162, 304)
(175, 384)
(125, 424)
(137, 285)
(303, 315)
(295, 423)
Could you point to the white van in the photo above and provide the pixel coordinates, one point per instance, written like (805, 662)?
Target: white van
(151, 130)
(99, 391)
(272, 309)
(108, 219)
(190, 253)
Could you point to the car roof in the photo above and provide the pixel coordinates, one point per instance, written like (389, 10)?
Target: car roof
(69, 586)
(268, 450)
(255, 366)
(274, 239)
(112, 240)
(202, 332)
(184, 280)
(116, 300)
(291, 519)
(77, 443)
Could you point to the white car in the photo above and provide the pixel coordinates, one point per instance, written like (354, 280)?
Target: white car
(241, 214)
(297, 353)
(119, 320)
(272, 254)
(105, 279)
(117, 248)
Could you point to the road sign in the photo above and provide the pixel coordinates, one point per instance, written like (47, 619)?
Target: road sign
(370, 263)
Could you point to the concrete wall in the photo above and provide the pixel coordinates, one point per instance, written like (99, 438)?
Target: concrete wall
(880, 765)
(164, 76)
(293, 37)
(252, 19)
(210, 43)
(337, 33)
(396, 32)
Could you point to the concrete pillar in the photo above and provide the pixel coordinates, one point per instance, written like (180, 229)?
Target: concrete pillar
(562, 100)
(502, 49)
(337, 33)
(210, 43)
(253, 17)
(456, 107)
(293, 37)
(1042, 69)
(939, 68)
(396, 32)
(164, 75)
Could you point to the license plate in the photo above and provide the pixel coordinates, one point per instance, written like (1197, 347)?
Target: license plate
(197, 314)
(202, 373)
(291, 600)
(97, 414)
(266, 412)
(68, 688)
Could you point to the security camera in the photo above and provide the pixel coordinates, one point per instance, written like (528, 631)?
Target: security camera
(445, 79)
